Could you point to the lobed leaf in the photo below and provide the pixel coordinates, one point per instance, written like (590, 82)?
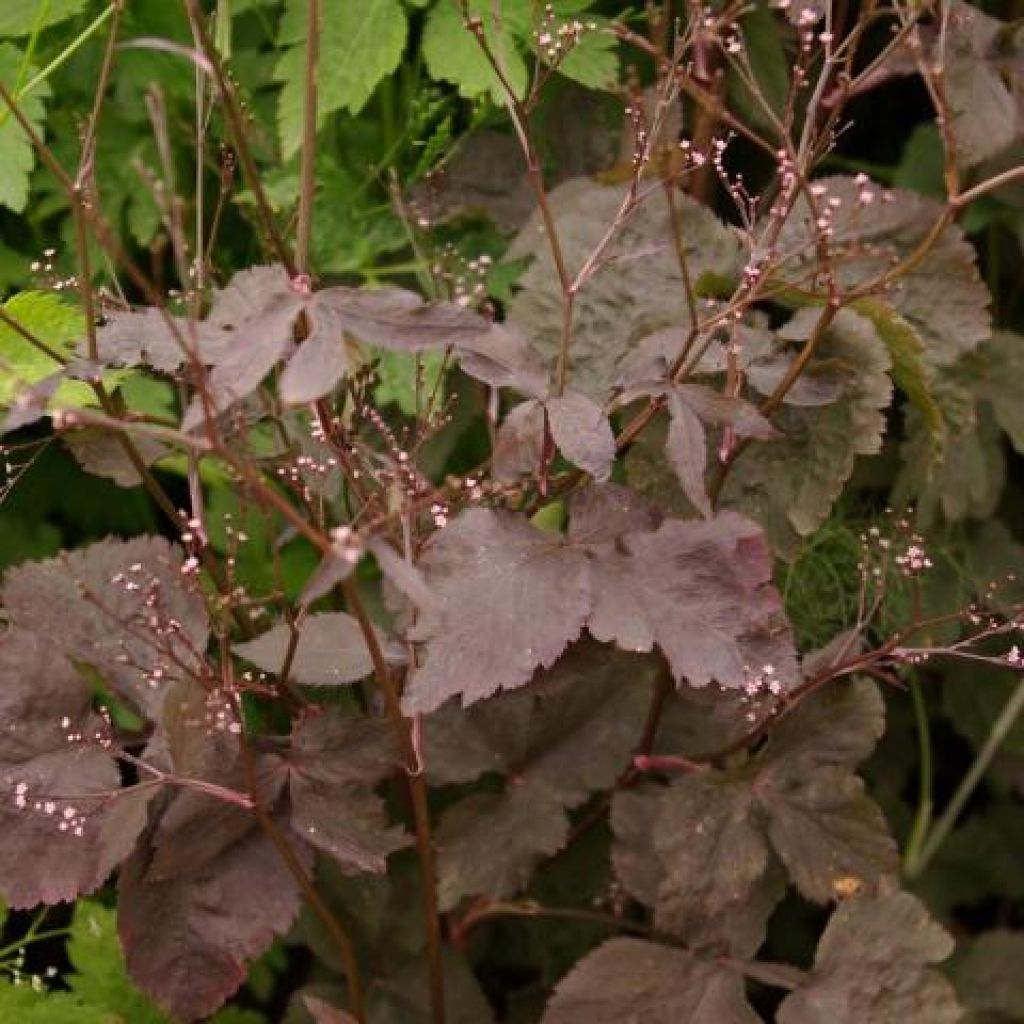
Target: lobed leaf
(631, 979)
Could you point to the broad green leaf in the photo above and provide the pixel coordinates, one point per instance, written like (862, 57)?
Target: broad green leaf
(452, 53)
(22, 17)
(633, 980)
(360, 44)
(28, 1005)
(53, 322)
(18, 155)
(100, 979)
(637, 290)
(414, 384)
(872, 967)
(594, 60)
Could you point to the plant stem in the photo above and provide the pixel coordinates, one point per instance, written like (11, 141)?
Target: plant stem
(418, 796)
(923, 818)
(307, 187)
(1000, 729)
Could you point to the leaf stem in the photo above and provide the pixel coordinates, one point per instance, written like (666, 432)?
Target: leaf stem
(947, 820)
(307, 187)
(923, 818)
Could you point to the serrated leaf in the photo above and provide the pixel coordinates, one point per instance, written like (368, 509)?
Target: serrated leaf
(360, 44)
(568, 735)
(91, 605)
(594, 60)
(22, 17)
(210, 924)
(703, 851)
(943, 297)
(789, 486)
(28, 1005)
(101, 453)
(638, 288)
(686, 450)
(999, 385)
(330, 650)
(63, 826)
(56, 324)
(452, 54)
(100, 978)
(582, 433)
(491, 572)
(978, 73)
(333, 763)
(700, 591)
(148, 337)
(630, 979)
(820, 821)
(19, 155)
(872, 967)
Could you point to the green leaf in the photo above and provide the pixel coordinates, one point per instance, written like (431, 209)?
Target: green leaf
(452, 53)
(28, 1005)
(871, 967)
(632, 980)
(21, 17)
(909, 371)
(18, 155)
(594, 60)
(100, 978)
(411, 383)
(360, 44)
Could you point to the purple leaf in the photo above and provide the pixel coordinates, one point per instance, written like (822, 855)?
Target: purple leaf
(334, 761)
(520, 443)
(319, 362)
(122, 607)
(509, 599)
(187, 940)
(65, 823)
(634, 980)
(582, 433)
(687, 451)
(331, 650)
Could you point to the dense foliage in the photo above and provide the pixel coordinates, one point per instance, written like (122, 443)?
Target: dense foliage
(510, 511)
